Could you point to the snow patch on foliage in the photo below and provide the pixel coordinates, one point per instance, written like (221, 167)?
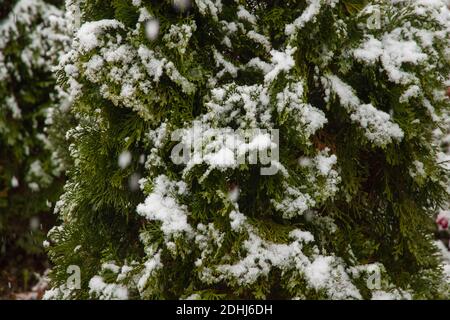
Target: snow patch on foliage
(107, 291)
(393, 52)
(281, 61)
(212, 7)
(260, 257)
(162, 205)
(291, 101)
(308, 15)
(376, 124)
(89, 32)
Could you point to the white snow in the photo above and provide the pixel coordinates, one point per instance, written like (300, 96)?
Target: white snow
(325, 163)
(161, 205)
(224, 158)
(179, 35)
(89, 32)
(412, 92)
(377, 124)
(393, 52)
(12, 105)
(228, 67)
(124, 159)
(308, 15)
(152, 264)
(292, 102)
(237, 220)
(107, 291)
(152, 29)
(320, 272)
(212, 7)
(14, 182)
(243, 14)
(259, 38)
(233, 194)
(281, 61)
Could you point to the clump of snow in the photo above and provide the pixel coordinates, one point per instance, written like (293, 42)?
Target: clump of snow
(228, 67)
(12, 105)
(325, 163)
(311, 11)
(281, 61)
(237, 220)
(295, 202)
(151, 266)
(412, 92)
(89, 32)
(243, 14)
(161, 205)
(260, 39)
(377, 125)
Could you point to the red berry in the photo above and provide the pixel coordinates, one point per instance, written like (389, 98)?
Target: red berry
(443, 222)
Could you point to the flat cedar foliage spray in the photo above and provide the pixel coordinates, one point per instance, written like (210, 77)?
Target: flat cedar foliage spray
(31, 38)
(342, 99)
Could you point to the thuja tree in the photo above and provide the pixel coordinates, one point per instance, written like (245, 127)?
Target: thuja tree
(31, 38)
(253, 149)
